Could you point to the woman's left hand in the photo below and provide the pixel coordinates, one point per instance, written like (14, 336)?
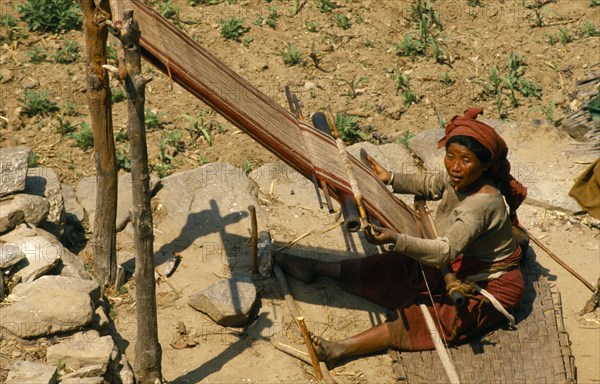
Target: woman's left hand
(379, 235)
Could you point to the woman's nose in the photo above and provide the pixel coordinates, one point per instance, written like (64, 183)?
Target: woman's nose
(454, 166)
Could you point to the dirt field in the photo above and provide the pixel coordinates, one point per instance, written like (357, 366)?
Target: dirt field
(350, 59)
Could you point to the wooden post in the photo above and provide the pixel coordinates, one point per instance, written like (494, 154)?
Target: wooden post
(148, 352)
(98, 93)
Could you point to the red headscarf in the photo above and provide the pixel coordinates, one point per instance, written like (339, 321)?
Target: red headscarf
(514, 192)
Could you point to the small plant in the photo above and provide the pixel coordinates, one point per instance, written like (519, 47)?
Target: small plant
(369, 42)
(165, 164)
(342, 21)
(122, 158)
(199, 128)
(587, 29)
(291, 55)
(536, 19)
(233, 28)
(326, 6)
(64, 127)
(51, 15)
(403, 85)
(83, 137)
(171, 12)
(117, 95)
(446, 80)
(37, 54)
(405, 138)
(564, 35)
(173, 139)
(410, 46)
(247, 41)
(594, 3)
(71, 109)
(349, 128)
(33, 160)
(111, 53)
(153, 119)
(37, 103)
(474, 3)
(121, 136)
(68, 53)
(353, 85)
(546, 110)
(551, 39)
(247, 167)
(295, 8)
(272, 18)
(311, 26)
(13, 31)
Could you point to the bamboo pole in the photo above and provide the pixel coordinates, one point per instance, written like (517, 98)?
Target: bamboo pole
(439, 346)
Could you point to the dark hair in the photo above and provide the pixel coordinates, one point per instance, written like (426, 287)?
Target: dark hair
(482, 153)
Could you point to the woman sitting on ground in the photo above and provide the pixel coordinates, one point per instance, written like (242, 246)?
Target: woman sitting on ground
(475, 236)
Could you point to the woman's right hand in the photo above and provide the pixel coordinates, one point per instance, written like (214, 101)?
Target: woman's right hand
(383, 174)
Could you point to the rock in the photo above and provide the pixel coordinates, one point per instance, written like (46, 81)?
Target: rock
(49, 305)
(34, 209)
(44, 182)
(40, 257)
(230, 302)
(82, 350)
(72, 206)
(287, 185)
(86, 194)
(10, 219)
(265, 254)
(29, 83)
(45, 252)
(100, 320)
(207, 200)
(13, 169)
(10, 254)
(23, 371)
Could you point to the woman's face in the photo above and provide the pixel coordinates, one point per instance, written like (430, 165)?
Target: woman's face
(463, 166)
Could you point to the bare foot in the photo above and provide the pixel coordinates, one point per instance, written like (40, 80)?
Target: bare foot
(326, 351)
(299, 267)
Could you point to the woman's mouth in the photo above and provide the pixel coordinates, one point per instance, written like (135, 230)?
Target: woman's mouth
(456, 179)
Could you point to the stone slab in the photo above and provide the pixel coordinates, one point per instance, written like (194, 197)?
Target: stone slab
(25, 372)
(82, 350)
(49, 305)
(45, 182)
(13, 169)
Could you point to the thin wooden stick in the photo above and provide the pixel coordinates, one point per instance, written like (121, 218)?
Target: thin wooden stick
(439, 347)
(252, 210)
(289, 299)
(559, 261)
(309, 346)
(293, 352)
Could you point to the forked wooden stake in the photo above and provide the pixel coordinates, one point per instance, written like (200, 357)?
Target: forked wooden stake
(311, 351)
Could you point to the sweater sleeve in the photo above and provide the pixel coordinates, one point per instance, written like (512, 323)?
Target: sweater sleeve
(469, 223)
(426, 184)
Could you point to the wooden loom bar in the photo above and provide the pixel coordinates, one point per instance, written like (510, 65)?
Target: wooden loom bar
(299, 145)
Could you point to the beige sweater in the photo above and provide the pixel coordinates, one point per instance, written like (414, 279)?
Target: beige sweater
(475, 226)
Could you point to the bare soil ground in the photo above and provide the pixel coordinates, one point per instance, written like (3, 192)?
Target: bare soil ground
(355, 71)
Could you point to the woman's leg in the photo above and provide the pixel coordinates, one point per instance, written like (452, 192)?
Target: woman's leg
(372, 340)
(307, 270)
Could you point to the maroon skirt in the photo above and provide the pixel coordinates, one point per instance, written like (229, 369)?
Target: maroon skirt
(396, 281)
